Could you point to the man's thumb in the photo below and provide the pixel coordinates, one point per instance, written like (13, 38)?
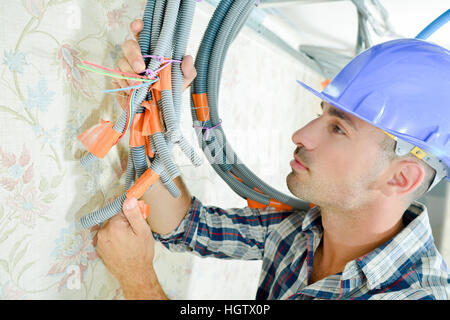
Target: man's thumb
(133, 214)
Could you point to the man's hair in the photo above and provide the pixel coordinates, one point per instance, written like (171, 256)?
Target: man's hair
(388, 149)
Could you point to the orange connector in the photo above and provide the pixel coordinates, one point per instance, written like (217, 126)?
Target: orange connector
(155, 86)
(146, 129)
(201, 106)
(136, 137)
(250, 202)
(152, 119)
(144, 208)
(142, 184)
(148, 149)
(146, 125)
(99, 139)
(156, 92)
(255, 204)
(237, 178)
(279, 206)
(165, 77)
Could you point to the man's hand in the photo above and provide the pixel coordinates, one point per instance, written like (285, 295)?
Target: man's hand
(126, 246)
(132, 62)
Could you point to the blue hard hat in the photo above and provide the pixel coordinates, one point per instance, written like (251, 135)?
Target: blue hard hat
(402, 87)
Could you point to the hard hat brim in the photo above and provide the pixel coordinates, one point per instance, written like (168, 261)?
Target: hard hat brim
(336, 104)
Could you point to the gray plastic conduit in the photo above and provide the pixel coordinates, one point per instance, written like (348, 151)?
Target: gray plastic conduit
(223, 39)
(218, 53)
(227, 21)
(130, 174)
(234, 21)
(138, 153)
(162, 37)
(167, 25)
(161, 19)
(145, 35)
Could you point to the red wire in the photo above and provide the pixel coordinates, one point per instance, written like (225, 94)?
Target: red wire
(128, 117)
(117, 71)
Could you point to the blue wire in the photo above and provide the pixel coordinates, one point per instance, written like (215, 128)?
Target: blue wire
(434, 26)
(132, 96)
(133, 87)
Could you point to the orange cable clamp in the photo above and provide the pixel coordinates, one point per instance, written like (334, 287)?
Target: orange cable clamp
(279, 206)
(255, 204)
(166, 78)
(99, 139)
(142, 184)
(201, 106)
(156, 92)
(136, 137)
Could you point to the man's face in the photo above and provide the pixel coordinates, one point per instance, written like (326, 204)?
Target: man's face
(341, 153)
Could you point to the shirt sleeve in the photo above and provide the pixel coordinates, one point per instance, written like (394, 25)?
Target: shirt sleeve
(236, 233)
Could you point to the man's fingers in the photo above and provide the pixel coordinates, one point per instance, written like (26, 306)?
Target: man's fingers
(118, 218)
(136, 27)
(187, 67)
(124, 66)
(134, 216)
(189, 71)
(119, 95)
(132, 53)
(123, 84)
(117, 222)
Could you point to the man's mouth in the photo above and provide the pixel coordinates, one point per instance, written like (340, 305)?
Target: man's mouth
(297, 164)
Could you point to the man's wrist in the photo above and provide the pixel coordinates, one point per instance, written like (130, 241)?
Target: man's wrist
(143, 287)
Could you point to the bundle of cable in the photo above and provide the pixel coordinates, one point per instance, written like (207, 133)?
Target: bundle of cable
(154, 108)
(153, 111)
(225, 24)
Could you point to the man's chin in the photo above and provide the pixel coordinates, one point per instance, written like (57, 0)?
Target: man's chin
(302, 188)
(292, 182)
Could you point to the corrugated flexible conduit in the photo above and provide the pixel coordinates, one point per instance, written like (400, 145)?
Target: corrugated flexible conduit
(161, 19)
(228, 19)
(167, 25)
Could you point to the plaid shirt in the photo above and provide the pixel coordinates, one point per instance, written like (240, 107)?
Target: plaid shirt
(406, 267)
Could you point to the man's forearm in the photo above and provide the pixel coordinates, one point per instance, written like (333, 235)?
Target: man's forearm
(166, 212)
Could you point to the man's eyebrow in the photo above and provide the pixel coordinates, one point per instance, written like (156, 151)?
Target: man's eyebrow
(332, 111)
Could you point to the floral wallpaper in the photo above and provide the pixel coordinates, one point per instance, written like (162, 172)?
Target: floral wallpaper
(46, 101)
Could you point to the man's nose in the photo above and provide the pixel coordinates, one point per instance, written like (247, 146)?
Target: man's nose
(306, 136)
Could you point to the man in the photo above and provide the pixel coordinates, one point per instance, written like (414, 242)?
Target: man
(366, 238)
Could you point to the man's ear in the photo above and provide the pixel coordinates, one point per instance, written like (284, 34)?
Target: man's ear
(405, 177)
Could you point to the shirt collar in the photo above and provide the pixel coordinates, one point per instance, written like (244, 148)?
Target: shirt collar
(312, 219)
(389, 261)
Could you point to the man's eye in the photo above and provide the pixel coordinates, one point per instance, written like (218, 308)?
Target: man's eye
(337, 129)
(334, 127)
